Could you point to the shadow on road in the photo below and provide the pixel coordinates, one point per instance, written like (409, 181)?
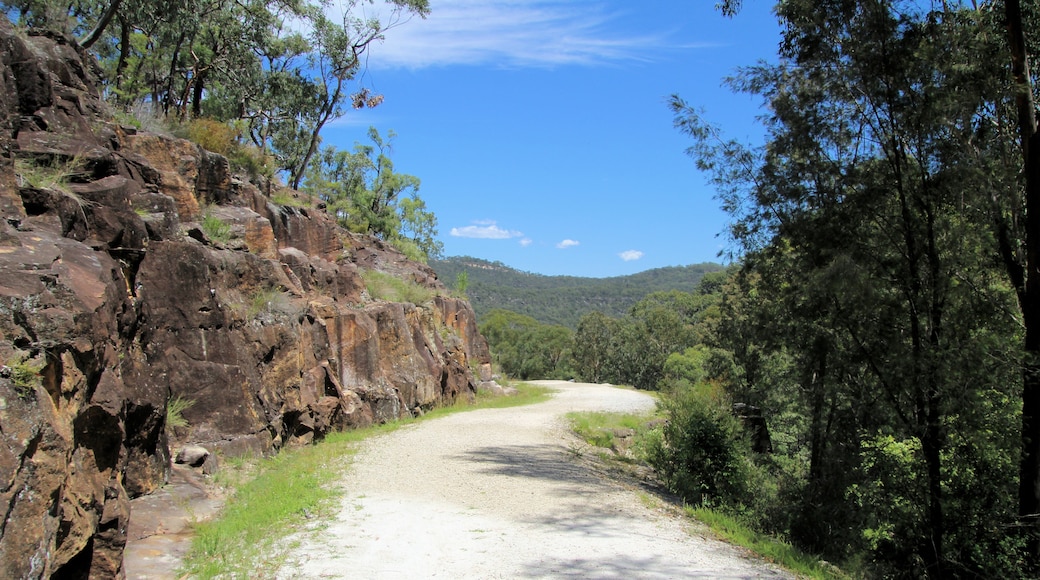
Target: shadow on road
(620, 567)
(532, 461)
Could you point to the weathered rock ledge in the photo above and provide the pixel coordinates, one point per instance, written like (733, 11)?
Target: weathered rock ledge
(114, 300)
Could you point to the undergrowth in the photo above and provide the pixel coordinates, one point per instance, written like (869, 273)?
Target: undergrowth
(270, 497)
(600, 430)
(768, 547)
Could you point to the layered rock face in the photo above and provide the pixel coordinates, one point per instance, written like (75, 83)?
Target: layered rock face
(115, 298)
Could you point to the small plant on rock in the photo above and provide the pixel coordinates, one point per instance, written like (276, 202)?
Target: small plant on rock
(175, 411)
(24, 375)
(215, 228)
(51, 175)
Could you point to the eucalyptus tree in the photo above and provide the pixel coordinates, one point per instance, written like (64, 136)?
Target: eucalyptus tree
(365, 194)
(285, 69)
(592, 342)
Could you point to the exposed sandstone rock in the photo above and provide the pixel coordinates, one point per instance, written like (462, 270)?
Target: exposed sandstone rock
(114, 299)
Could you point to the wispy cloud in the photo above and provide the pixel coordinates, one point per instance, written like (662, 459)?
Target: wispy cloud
(485, 229)
(631, 255)
(529, 33)
(567, 244)
(526, 242)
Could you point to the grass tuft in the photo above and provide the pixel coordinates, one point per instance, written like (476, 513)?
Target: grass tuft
(25, 375)
(215, 228)
(175, 409)
(383, 286)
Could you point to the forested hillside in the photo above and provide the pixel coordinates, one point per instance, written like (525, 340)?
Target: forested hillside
(561, 300)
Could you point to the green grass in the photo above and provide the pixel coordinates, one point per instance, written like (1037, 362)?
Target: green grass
(270, 497)
(175, 411)
(265, 300)
(215, 228)
(768, 547)
(383, 286)
(285, 198)
(25, 375)
(53, 175)
(597, 428)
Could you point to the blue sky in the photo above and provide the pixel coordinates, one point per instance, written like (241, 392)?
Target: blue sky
(540, 130)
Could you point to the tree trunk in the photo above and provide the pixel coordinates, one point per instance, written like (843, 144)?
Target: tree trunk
(95, 34)
(1029, 472)
(124, 53)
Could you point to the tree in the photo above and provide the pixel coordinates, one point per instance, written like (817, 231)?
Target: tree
(365, 194)
(230, 60)
(527, 349)
(592, 342)
(1026, 277)
(867, 222)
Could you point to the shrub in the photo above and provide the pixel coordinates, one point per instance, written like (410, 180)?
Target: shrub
(702, 455)
(212, 135)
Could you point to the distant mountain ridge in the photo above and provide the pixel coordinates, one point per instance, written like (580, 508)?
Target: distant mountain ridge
(562, 300)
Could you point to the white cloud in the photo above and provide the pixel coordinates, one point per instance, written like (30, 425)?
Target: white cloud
(631, 255)
(485, 229)
(536, 33)
(526, 242)
(567, 244)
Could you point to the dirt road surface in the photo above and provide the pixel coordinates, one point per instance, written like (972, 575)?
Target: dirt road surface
(499, 493)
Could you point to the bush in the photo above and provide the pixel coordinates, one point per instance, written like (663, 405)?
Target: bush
(703, 454)
(225, 139)
(212, 135)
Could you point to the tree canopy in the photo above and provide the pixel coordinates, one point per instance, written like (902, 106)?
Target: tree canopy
(882, 308)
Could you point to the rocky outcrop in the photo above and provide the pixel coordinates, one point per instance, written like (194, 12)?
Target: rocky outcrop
(117, 296)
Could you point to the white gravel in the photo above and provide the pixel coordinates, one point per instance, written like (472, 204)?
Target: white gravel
(497, 493)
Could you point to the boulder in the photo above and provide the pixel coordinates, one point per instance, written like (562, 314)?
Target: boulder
(193, 455)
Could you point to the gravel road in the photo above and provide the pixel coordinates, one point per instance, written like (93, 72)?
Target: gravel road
(498, 493)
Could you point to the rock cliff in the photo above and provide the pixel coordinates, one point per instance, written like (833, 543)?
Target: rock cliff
(116, 298)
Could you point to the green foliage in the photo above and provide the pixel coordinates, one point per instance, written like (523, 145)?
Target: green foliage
(731, 529)
(527, 349)
(461, 283)
(281, 71)
(212, 135)
(874, 315)
(383, 286)
(563, 300)
(215, 228)
(225, 138)
(52, 174)
(25, 375)
(633, 350)
(600, 429)
(268, 300)
(284, 197)
(364, 193)
(703, 455)
(175, 411)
